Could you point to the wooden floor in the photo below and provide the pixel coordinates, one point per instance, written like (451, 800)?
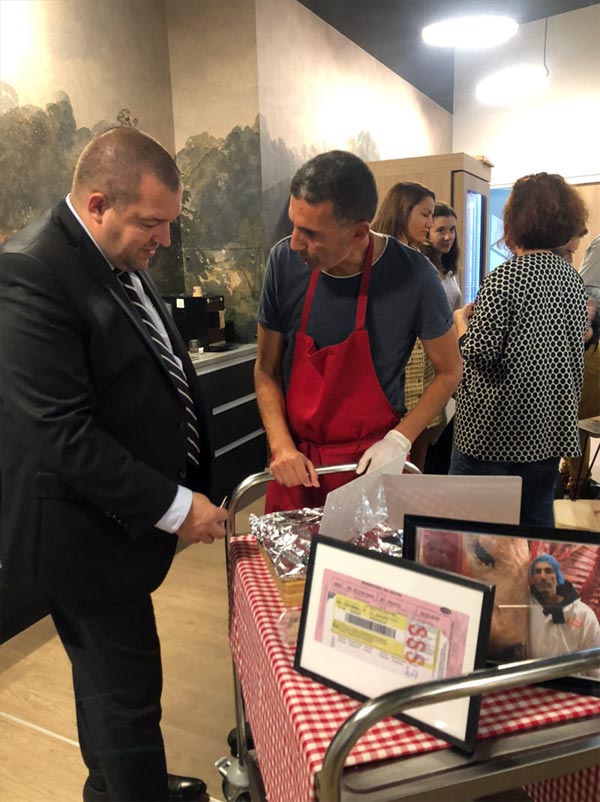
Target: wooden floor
(39, 754)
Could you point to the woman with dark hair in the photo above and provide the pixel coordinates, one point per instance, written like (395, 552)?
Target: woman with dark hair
(522, 343)
(406, 213)
(441, 248)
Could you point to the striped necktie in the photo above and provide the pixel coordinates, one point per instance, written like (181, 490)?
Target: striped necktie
(178, 376)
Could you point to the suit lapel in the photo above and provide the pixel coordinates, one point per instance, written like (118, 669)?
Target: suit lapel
(93, 261)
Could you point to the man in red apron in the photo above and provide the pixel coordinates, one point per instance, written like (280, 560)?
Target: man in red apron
(340, 310)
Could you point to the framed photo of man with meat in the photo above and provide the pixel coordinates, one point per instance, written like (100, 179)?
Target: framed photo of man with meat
(547, 581)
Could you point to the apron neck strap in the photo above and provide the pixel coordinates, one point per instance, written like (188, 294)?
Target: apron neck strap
(363, 295)
(310, 293)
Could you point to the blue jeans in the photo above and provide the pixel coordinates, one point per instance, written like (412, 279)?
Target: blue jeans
(539, 480)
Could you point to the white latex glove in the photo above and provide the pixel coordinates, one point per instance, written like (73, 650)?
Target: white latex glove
(393, 446)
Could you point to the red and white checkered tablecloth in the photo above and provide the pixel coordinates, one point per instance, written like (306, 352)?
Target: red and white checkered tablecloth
(294, 718)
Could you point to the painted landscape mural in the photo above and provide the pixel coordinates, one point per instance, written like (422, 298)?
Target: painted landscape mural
(221, 222)
(211, 81)
(38, 151)
(227, 224)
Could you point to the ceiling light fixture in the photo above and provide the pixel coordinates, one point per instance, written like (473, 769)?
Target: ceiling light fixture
(470, 33)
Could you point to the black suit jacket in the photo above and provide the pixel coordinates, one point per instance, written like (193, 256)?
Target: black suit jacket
(92, 429)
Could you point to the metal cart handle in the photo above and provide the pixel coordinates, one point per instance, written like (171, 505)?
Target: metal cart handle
(510, 675)
(256, 479)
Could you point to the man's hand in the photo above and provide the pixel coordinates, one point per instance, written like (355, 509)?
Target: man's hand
(204, 523)
(393, 446)
(291, 468)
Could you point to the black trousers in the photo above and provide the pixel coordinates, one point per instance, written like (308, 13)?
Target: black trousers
(117, 677)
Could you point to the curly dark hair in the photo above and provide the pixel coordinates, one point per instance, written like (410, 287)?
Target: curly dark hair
(392, 217)
(342, 178)
(543, 211)
(449, 260)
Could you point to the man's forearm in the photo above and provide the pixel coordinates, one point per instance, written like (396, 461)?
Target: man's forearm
(271, 405)
(431, 403)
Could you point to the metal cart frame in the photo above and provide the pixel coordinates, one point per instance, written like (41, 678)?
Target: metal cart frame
(500, 764)
(497, 764)
(236, 781)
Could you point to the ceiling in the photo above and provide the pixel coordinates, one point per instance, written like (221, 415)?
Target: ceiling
(390, 30)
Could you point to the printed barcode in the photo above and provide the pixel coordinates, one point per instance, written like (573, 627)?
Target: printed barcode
(380, 629)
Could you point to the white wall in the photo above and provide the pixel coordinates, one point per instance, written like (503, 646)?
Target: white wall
(558, 131)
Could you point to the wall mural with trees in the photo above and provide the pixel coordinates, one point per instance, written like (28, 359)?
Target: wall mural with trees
(227, 225)
(38, 151)
(189, 73)
(222, 229)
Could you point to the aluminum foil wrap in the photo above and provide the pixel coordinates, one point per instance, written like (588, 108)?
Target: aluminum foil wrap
(286, 537)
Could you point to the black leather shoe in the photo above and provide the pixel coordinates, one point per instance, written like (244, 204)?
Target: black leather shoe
(181, 789)
(186, 789)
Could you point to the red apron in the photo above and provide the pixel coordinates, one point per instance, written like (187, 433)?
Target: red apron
(335, 405)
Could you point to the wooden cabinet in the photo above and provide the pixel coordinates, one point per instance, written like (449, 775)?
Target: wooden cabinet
(457, 179)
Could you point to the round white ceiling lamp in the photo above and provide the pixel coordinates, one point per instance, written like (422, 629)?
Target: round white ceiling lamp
(512, 85)
(470, 33)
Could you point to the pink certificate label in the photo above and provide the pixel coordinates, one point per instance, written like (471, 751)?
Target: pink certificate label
(396, 632)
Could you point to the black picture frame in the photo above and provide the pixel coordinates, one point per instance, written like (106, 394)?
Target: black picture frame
(478, 549)
(372, 623)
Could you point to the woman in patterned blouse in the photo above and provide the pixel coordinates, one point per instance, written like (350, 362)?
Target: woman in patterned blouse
(522, 344)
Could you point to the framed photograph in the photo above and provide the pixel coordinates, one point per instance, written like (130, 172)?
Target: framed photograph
(547, 582)
(371, 623)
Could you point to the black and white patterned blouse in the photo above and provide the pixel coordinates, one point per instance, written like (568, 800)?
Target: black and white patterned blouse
(523, 363)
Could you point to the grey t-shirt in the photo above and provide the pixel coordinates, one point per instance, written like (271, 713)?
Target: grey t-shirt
(406, 300)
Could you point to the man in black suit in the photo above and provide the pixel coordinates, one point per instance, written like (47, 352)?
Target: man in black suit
(103, 448)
